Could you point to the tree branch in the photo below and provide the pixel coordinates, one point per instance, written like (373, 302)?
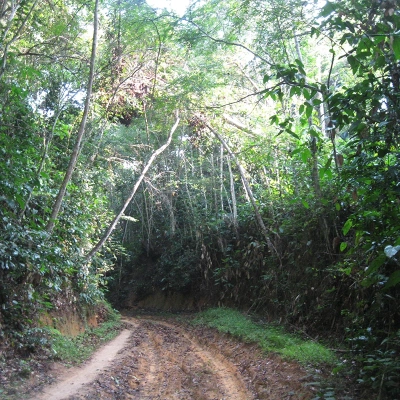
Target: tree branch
(227, 43)
(77, 147)
(237, 124)
(114, 223)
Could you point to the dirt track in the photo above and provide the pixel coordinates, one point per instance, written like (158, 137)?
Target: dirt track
(156, 359)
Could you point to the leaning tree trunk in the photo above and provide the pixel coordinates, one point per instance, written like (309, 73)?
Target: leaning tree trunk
(249, 192)
(74, 156)
(233, 195)
(115, 221)
(221, 177)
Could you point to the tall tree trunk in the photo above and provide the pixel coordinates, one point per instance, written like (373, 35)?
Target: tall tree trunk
(147, 222)
(313, 140)
(214, 185)
(314, 169)
(233, 194)
(74, 156)
(168, 201)
(221, 177)
(203, 190)
(249, 192)
(114, 223)
(321, 108)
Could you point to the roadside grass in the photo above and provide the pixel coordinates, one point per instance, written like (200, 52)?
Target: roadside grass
(270, 338)
(42, 345)
(75, 350)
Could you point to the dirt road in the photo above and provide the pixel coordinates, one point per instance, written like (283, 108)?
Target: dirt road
(157, 359)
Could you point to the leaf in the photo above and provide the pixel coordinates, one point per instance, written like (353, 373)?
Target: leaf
(20, 200)
(350, 26)
(364, 46)
(314, 31)
(343, 246)
(393, 280)
(294, 90)
(396, 47)
(300, 66)
(309, 110)
(274, 119)
(354, 64)
(378, 38)
(382, 152)
(328, 9)
(305, 204)
(376, 264)
(347, 226)
(326, 171)
(305, 155)
(291, 133)
(309, 94)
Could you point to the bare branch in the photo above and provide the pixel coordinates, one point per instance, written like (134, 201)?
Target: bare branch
(116, 219)
(237, 124)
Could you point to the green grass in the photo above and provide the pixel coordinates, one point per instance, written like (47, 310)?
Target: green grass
(270, 338)
(77, 349)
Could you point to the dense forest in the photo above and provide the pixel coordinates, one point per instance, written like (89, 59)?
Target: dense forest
(243, 154)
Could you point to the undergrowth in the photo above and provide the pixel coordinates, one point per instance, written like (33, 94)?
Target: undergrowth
(77, 349)
(270, 338)
(42, 345)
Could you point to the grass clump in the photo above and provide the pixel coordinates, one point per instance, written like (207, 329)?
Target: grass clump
(270, 338)
(77, 349)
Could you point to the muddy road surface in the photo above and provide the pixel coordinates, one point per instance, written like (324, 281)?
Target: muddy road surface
(153, 358)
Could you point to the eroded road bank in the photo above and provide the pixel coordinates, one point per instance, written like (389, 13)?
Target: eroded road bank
(157, 359)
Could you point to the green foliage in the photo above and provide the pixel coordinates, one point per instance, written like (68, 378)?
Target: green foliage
(376, 362)
(77, 349)
(269, 337)
(315, 126)
(39, 111)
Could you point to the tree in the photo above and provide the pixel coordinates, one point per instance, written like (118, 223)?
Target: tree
(82, 126)
(115, 221)
(248, 190)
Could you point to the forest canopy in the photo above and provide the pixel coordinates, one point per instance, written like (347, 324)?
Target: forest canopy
(245, 153)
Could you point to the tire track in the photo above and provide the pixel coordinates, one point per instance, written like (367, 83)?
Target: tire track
(214, 366)
(78, 377)
(152, 360)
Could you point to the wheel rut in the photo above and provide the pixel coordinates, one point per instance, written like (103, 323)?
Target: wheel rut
(151, 359)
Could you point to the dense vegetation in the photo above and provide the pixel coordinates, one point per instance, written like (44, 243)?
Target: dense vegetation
(269, 337)
(245, 153)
